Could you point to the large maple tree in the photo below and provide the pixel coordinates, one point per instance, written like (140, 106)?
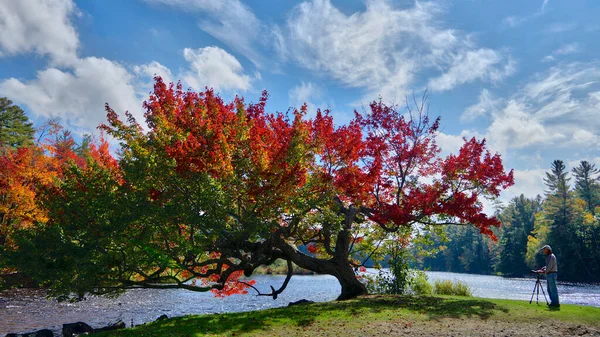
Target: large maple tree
(209, 191)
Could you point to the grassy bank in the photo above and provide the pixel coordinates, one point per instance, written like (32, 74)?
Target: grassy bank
(390, 315)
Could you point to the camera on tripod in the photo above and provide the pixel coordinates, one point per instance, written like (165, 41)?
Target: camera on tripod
(538, 286)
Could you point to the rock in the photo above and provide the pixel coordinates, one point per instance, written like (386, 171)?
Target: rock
(76, 329)
(115, 326)
(39, 333)
(162, 318)
(300, 302)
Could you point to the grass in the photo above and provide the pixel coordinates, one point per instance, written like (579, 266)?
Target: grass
(446, 287)
(381, 314)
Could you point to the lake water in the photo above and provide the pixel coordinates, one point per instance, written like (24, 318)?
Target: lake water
(24, 310)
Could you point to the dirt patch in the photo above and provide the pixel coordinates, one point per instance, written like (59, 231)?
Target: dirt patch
(449, 327)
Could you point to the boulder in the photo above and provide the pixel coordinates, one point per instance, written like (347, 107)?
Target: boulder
(76, 329)
(115, 326)
(39, 333)
(300, 302)
(162, 318)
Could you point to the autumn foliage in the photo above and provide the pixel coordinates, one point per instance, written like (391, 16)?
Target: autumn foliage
(208, 191)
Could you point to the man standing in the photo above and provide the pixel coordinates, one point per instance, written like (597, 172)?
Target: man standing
(551, 271)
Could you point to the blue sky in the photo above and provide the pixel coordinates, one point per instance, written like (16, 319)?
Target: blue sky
(522, 74)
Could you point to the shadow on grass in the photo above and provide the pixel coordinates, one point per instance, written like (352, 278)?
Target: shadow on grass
(436, 307)
(305, 315)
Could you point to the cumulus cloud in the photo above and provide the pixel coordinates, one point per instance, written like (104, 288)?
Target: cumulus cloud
(153, 69)
(77, 96)
(77, 93)
(528, 182)
(516, 127)
(214, 67)
(42, 27)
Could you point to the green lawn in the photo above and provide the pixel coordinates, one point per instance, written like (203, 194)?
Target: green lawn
(390, 315)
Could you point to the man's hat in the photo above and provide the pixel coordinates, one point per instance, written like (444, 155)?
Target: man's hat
(546, 246)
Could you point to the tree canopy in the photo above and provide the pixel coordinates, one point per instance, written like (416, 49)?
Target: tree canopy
(15, 128)
(209, 191)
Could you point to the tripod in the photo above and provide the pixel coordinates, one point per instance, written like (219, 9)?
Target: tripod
(536, 288)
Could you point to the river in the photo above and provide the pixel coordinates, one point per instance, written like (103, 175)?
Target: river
(23, 310)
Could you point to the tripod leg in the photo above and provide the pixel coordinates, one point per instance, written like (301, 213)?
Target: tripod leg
(543, 292)
(533, 293)
(537, 298)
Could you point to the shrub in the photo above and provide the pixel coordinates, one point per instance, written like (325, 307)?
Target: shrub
(419, 283)
(446, 287)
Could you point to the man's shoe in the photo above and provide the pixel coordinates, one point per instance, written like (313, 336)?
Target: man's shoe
(552, 305)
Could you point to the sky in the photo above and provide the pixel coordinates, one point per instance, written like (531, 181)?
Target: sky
(524, 75)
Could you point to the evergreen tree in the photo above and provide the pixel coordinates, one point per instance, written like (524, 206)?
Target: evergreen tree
(587, 189)
(15, 128)
(518, 221)
(564, 235)
(586, 184)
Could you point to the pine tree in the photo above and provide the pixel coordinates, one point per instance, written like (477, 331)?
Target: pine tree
(518, 222)
(587, 186)
(565, 234)
(15, 128)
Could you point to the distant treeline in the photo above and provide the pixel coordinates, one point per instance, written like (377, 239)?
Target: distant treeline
(567, 218)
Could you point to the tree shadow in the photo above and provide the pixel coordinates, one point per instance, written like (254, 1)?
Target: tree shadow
(436, 307)
(305, 315)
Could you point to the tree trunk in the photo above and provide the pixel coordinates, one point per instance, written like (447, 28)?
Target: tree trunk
(339, 268)
(351, 286)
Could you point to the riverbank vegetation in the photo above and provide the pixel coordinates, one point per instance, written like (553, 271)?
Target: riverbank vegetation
(567, 218)
(387, 315)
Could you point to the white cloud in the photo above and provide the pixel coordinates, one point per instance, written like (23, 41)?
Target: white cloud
(485, 105)
(214, 67)
(154, 69)
(305, 93)
(515, 20)
(516, 127)
(43, 27)
(77, 96)
(544, 4)
(473, 65)
(557, 108)
(232, 22)
(570, 48)
(561, 27)
(528, 182)
(567, 49)
(449, 143)
(584, 137)
(384, 49)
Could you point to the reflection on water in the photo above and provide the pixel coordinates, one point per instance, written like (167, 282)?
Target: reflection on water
(26, 309)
